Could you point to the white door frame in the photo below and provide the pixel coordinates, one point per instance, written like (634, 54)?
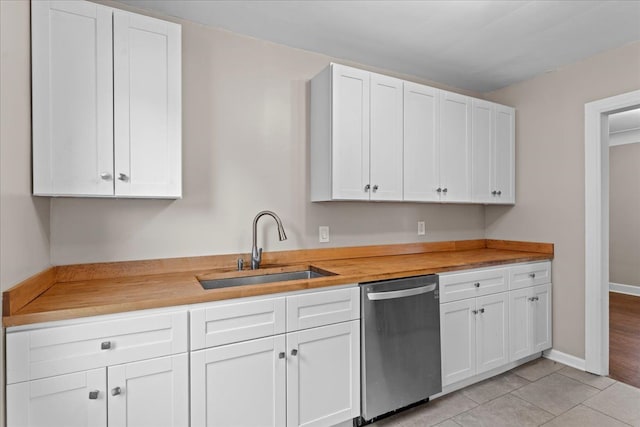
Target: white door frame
(596, 147)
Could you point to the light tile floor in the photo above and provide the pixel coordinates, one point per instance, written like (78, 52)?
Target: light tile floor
(541, 392)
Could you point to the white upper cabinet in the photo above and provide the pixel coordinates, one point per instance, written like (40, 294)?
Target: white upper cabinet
(386, 138)
(493, 142)
(455, 147)
(421, 156)
(106, 102)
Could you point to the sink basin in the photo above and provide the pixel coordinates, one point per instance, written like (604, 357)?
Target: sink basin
(262, 278)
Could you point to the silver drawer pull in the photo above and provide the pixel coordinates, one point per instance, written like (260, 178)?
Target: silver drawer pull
(367, 187)
(116, 391)
(106, 176)
(93, 395)
(281, 355)
(532, 275)
(294, 352)
(400, 294)
(474, 311)
(481, 310)
(439, 190)
(375, 188)
(477, 284)
(106, 345)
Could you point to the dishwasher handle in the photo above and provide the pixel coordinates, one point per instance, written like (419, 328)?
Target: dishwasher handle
(376, 296)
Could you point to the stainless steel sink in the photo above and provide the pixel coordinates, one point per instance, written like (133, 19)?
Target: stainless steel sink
(262, 278)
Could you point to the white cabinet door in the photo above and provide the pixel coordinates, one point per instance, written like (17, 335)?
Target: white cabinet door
(73, 400)
(482, 143)
(492, 331)
(150, 393)
(541, 317)
(239, 384)
(503, 152)
(350, 133)
(386, 138)
(421, 156)
(147, 98)
(72, 98)
(455, 147)
(458, 340)
(520, 324)
(323, 375)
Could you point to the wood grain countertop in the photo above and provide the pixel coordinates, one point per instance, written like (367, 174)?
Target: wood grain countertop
(67, 292)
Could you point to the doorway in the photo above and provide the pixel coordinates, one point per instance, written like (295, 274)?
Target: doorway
(597, 226)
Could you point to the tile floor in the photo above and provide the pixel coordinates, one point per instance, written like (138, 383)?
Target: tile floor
(541, 392)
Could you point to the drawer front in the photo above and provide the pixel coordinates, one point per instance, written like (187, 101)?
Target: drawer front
(229, 323)
(59, 350)
(458, 286)
(526, 275)
(322, 308)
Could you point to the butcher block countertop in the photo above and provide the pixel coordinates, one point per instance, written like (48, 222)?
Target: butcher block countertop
(73, 291)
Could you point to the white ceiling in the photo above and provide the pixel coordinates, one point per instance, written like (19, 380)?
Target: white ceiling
(477, 45)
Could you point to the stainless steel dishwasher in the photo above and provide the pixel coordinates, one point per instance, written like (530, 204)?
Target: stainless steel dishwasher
(400, 340)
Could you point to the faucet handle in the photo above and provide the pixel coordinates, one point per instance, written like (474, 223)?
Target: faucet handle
(240, 264)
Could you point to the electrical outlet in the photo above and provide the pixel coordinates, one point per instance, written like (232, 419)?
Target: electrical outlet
(323, 234)
(421, 228)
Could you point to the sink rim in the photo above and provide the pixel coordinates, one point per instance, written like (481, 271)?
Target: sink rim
(262, 276)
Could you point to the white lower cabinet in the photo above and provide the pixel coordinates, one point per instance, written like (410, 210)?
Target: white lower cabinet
(147, 393)
(474, 335)
(530, 321)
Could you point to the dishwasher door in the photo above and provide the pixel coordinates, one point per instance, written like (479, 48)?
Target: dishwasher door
(400, 343)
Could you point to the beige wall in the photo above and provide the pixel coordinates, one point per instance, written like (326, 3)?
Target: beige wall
(24, 220)
(550, 173)
(245, 148)
(624, 214)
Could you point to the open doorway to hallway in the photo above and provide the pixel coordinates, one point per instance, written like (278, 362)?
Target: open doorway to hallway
(624, 246)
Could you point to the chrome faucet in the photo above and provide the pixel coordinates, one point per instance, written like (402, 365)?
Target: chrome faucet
(256, 254)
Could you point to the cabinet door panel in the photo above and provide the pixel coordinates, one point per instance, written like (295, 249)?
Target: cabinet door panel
(386, 138)
(492, 331)
(504, 154)
(458, 340)
(421, 155)
(323, 378)
(455, 147)
(520, 324)
(61, 401)
(239, 384)
(350, 133)
(147, 96)
(482, 118)
(72, 98)
(153, 393)
(542, 317)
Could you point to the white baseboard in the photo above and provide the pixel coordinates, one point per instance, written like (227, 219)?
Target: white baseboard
(624, 289)
(565, 359)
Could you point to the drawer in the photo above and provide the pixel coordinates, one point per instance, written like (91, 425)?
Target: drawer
(322, 308)
(522, 276)
(235, 322)
(458, 286)
(46, 352)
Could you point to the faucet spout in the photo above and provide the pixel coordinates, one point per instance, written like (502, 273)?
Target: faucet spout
(256, 253)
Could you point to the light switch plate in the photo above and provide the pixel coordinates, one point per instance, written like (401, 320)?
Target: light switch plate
(421, 228)
(323, 234)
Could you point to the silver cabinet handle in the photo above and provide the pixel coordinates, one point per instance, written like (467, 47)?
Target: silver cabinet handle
(281, 355)
(367, 187)
(106, 345)
(123, 177)
(474, 311)
(499, 192)
(106, 176)
(93, 395)
(444, 190)
(116, 391)
(481, 310)
(375, 187)
(532, 275)
(439, 190)
(477, 284)
(494, 192)
(294, 352)
(376, 296)
(536, 298)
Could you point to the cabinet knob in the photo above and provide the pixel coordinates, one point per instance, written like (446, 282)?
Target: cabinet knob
(123, 177)
(281, 355)
(536, 298)
(499, 192)
(375, 187)
(93, 395)
(439, 190)
(106, 345)
(531, 299)
(106, 176)
(477, 284)
(116, 391)
(367, 187)
(444, 190)
(494, 192)
(532, 275)
(481, 310)
(474, 311)
(294, 352)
